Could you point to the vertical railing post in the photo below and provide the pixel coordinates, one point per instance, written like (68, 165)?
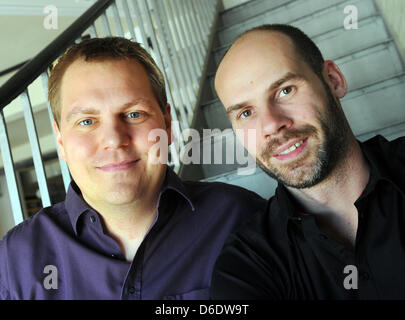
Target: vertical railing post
(196, 31)
(177, 67)
(128, 19)
(106, 24)
(184, 53)
(9, 172)
(190, 47)
(117, 19)
(93, 31)
(171, 75)
(35, 148)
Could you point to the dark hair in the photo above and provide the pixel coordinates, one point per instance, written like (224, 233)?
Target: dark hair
(109, 48)
(305, 47)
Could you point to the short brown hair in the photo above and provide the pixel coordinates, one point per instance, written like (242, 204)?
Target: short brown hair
(99, 49)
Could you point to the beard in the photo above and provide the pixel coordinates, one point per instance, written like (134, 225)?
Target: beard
(306, 172)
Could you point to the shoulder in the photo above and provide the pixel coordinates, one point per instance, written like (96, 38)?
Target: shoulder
(24, 235)
(23, 247)
(397, 148)
(263, 239)
(219, 195)
(393, 149)
(249, 266)
(224, 205)
(222, 191)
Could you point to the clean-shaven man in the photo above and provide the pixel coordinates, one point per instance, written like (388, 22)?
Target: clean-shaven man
(335, 228)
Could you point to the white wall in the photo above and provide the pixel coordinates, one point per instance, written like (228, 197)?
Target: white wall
(394, 13)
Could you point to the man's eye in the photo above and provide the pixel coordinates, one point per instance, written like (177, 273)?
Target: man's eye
(286, 91)
(86, 122)
(245, 114)
(134, 115)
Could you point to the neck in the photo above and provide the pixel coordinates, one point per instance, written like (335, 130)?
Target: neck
(129, 223)
(332, 200)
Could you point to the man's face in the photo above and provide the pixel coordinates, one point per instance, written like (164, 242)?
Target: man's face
(300, 129)
(108, 110)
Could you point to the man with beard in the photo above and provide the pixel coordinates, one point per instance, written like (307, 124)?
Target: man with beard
(334, 229)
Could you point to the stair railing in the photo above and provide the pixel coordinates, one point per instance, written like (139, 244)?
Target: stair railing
(175, 32)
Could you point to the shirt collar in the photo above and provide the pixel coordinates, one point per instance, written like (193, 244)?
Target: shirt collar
(373, 150)
(76, 206)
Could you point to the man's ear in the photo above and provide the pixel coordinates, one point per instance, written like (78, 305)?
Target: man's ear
(61, 150)
(168, 122)
(334, 78)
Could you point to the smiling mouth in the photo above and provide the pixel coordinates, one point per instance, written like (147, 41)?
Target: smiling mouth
(292, 151)
(121, 166)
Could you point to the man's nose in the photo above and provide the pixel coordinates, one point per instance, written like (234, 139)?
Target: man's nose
(273, 120)
(115, 134)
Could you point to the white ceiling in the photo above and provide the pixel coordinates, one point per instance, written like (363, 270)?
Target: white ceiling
(22, 27)
(36, 7)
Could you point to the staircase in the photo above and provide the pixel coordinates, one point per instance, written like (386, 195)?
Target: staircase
(367, 56)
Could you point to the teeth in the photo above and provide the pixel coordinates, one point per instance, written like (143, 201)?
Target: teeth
(292, 148)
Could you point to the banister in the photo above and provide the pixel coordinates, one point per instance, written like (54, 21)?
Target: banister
(33, 69)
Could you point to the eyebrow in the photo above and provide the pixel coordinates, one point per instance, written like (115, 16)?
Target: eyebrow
(275, 85)
(81, 110)
(89, 110)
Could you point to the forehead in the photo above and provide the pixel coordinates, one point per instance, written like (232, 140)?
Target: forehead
(98, 82)
(256, 56)
(263, 45)
(119, 69)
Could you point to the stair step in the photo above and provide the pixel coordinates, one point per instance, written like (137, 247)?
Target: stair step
(247, 10)
(378, 106)
(328, 15)
(370, 32)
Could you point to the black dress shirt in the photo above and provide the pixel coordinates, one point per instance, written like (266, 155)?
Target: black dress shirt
(281, 254)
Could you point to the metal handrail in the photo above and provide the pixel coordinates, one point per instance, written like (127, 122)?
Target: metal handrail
(33, 69)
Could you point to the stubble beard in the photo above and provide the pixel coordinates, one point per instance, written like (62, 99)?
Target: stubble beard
(315, 166)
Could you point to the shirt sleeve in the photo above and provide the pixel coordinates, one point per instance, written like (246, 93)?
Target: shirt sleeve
(4, 293)
(242, 273)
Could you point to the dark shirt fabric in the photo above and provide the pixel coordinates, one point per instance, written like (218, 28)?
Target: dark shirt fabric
(174, 261)
(282, 254)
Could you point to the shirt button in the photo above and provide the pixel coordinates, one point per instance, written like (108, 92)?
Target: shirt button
(93, 219)
(131, 290)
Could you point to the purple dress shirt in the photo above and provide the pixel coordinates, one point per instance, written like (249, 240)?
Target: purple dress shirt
(64, 252)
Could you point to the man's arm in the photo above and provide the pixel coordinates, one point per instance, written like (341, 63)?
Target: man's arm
(243, 271)
(4, 293)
